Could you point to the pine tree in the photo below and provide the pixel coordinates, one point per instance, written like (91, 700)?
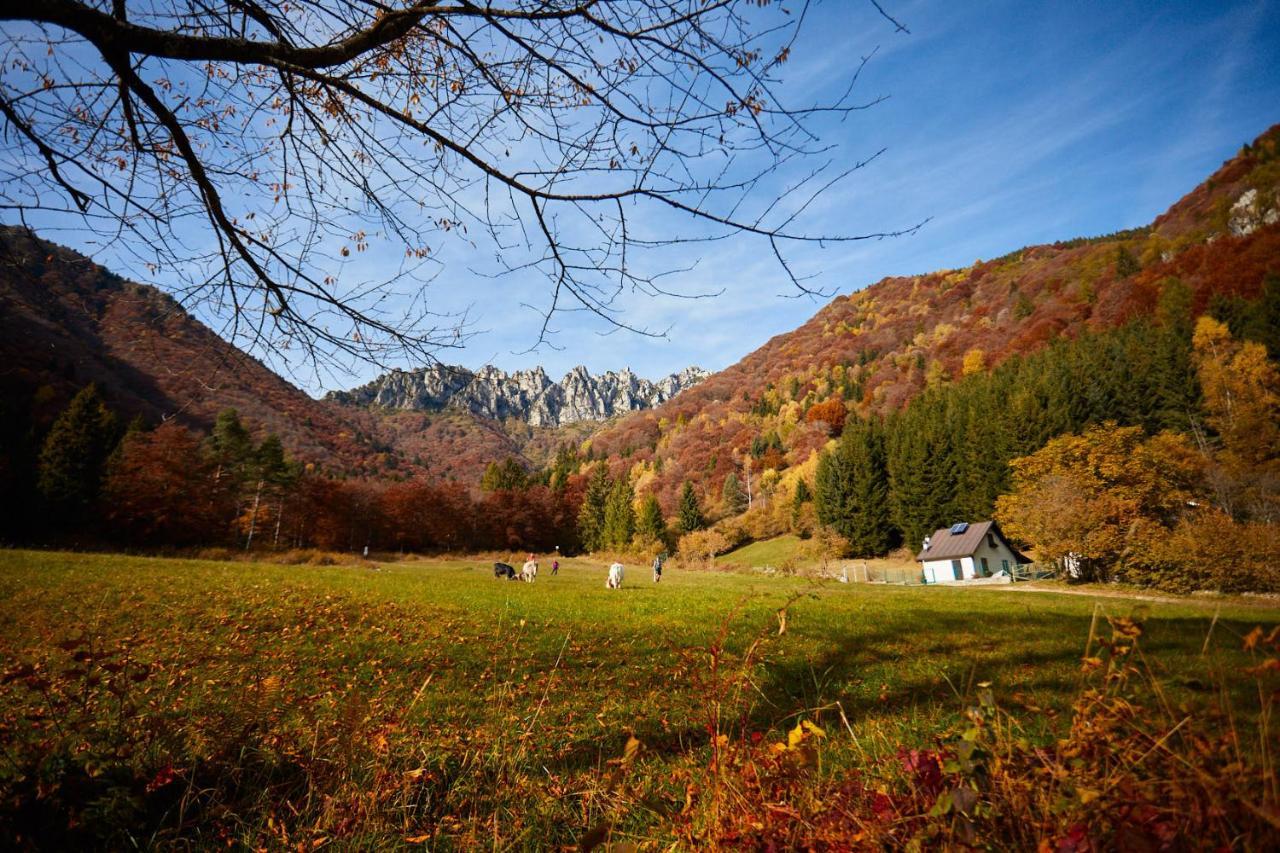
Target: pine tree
(231, 446)
(74, 454)
(1175, 388)
(689, 516)
(591, 515)
(1263, 324)
(619, 514)
(1126, 263)
(270, 473)
(735, 499)
(921, 471)
(505, 476)
(566, 463)
(802, 496)
(852, 494)
(650, 524)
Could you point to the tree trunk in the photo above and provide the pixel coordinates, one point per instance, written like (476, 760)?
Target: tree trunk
(253, 516)
(275, 540)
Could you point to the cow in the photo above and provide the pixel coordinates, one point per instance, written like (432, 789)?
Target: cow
(529, 573)
(615, 577)
(502, 570)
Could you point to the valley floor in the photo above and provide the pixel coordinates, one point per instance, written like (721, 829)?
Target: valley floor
(147, 700)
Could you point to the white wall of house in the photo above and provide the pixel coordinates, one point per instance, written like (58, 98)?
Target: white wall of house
(943, 571)
(999, 557)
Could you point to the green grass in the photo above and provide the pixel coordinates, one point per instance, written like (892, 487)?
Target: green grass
(774, 552)
(787, 552)
(270, 699)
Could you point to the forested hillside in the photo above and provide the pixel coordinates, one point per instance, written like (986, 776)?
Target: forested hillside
(66, 322)
(1019, 345)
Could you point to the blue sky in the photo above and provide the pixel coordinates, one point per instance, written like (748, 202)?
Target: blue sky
(1007, 124)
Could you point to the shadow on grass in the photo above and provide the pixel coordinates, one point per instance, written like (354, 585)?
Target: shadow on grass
(895, 679)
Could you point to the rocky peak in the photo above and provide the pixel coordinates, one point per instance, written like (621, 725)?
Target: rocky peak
(527, 395)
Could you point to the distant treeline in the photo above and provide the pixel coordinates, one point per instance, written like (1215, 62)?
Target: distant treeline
(90, 481)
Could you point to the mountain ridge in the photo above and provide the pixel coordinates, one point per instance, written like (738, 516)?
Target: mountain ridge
(528, 395)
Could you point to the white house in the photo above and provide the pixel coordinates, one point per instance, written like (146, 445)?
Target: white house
(967, 551)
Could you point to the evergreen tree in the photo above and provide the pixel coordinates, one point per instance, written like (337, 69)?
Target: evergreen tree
(619, 514)
(505, 476)
(270, 473)
(853, 489)
(650, 524)
(1176, 388)
(689, 516)
(921, 471)
(735, 499)
(566, 463)
(231, 447)
(74, 453)
(1126, 263)
(1261, 320)
(591, 515)
(801, 497)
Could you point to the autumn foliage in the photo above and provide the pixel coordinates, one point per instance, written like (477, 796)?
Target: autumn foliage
(1094, 500)
(831, 412)
(161, 490)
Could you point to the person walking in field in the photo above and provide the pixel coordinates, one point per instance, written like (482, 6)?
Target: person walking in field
(555, 567)
(657, 569)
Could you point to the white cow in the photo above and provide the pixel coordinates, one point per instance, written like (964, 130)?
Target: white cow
(615, 577)
(529, 573)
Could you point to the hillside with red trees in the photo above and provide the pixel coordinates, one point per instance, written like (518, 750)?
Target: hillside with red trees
(874, 350)
(66, 322)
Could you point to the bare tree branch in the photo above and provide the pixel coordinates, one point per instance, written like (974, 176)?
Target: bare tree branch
(253, 149)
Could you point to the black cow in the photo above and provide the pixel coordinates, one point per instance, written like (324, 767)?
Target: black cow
(502, 570)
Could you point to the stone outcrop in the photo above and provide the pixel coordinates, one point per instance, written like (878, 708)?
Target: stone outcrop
(528, 395)
(1252, 211)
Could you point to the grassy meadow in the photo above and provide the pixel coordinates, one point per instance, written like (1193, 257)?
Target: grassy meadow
(146, 701)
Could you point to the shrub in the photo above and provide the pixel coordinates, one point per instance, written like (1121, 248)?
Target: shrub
(704, 545)
(1210, 551)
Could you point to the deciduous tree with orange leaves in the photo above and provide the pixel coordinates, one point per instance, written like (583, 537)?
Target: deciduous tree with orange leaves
(161, 490)
(1093, 500)
(831, 412)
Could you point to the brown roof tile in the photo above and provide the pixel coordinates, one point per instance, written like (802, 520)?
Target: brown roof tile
(945, 545)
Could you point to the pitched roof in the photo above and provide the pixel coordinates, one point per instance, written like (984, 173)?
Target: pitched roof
(946, 545)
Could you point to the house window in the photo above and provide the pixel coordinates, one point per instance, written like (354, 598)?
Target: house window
(991, 540)
(1005, 565)
(986, 570)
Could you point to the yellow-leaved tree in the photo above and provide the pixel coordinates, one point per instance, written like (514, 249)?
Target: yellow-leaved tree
(975, 361)
(1241, 387)
(1094, 501)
